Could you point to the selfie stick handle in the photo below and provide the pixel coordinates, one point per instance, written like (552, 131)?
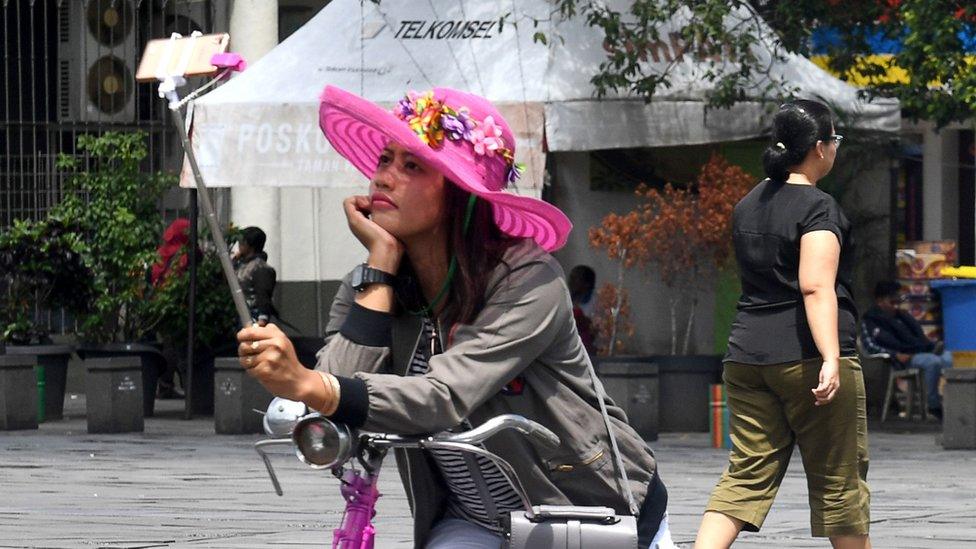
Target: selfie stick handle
(167, 89)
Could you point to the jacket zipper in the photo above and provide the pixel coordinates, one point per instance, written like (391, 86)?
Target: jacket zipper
(568, 468)
(436, 337)
(406, 456)
(433, 338)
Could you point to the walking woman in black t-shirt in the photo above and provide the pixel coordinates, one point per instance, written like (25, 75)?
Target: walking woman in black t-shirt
(792, 375)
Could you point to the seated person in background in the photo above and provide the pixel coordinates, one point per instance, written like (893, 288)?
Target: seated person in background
(887, 329)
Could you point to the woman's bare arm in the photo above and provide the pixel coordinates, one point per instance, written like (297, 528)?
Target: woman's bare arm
(819, 260)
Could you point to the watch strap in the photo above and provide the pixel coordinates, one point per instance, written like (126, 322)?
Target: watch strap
(371, 276)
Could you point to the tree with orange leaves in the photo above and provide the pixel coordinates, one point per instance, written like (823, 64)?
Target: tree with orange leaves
(622, 238)
(685, 233)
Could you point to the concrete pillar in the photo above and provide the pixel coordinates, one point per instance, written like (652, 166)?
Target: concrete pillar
(940, 189)
(254, 32)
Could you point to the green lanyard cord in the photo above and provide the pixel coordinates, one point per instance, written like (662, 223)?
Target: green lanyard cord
(452, 269)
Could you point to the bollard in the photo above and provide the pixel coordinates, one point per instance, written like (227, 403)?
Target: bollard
(718, 418)
(236, 397)
(114, 395)
(959, 409)
(18, 392)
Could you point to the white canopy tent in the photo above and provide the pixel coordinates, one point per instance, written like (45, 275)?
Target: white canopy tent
(261, 128)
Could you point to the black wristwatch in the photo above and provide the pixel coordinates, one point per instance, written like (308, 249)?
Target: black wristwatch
(364, 275)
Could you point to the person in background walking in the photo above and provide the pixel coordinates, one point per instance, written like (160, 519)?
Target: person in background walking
(582, 282)
(887, 329)
(792, 375)
(257, 278)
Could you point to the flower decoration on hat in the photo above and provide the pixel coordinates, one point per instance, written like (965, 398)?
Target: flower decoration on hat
(488, 138)
(433, 121)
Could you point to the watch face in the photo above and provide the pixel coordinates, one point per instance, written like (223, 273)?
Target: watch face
(357, 277)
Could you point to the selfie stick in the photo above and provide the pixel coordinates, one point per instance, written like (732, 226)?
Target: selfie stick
(168, 83)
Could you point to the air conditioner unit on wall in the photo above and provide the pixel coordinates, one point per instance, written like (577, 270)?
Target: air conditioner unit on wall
(96, 61)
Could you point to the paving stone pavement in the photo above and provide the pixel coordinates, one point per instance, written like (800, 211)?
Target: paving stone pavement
(180, 485)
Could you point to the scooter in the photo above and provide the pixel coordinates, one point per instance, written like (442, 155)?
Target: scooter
(355, 458)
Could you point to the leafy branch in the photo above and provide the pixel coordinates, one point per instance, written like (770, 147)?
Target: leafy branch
(739, 42)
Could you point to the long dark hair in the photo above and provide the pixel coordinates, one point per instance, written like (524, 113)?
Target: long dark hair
(796, 129)
(479, 250)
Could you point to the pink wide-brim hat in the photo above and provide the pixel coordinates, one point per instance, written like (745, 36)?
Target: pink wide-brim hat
(359, 130)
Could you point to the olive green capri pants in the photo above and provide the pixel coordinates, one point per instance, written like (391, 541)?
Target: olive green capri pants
(772, 409)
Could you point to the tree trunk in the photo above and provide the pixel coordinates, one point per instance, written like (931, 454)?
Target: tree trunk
(614, 314)
(618, 303)
(691, 321)
(693, 286)
(673, 302)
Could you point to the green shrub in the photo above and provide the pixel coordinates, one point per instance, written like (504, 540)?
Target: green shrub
(216, 317)
(41, 262)
(115, 206)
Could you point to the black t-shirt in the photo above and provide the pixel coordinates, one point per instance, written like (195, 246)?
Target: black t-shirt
(770, 325)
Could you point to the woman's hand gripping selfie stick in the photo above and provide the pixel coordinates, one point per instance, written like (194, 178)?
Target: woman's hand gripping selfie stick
(169, 81)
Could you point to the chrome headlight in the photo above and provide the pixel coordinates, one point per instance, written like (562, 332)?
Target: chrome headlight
(320, 443)
(282, 416)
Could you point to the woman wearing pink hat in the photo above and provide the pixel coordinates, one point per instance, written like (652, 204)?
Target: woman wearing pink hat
(458, 314)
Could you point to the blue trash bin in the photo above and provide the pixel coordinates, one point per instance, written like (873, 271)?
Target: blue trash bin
(958, 313)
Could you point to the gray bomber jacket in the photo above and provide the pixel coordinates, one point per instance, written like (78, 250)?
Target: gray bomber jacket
(522, 355)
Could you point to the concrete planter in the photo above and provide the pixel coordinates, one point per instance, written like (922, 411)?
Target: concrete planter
(151, 360)
(236, 397)
(114, 394)
(18, 392)
(632, 383)
(684, 388)
(52, 374)
(681, 402)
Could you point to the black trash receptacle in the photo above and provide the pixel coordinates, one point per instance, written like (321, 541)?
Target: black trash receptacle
(202, 400)
(18, 392)
(633, 386)
(236, 397)
(113, 389)
(959, 409)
